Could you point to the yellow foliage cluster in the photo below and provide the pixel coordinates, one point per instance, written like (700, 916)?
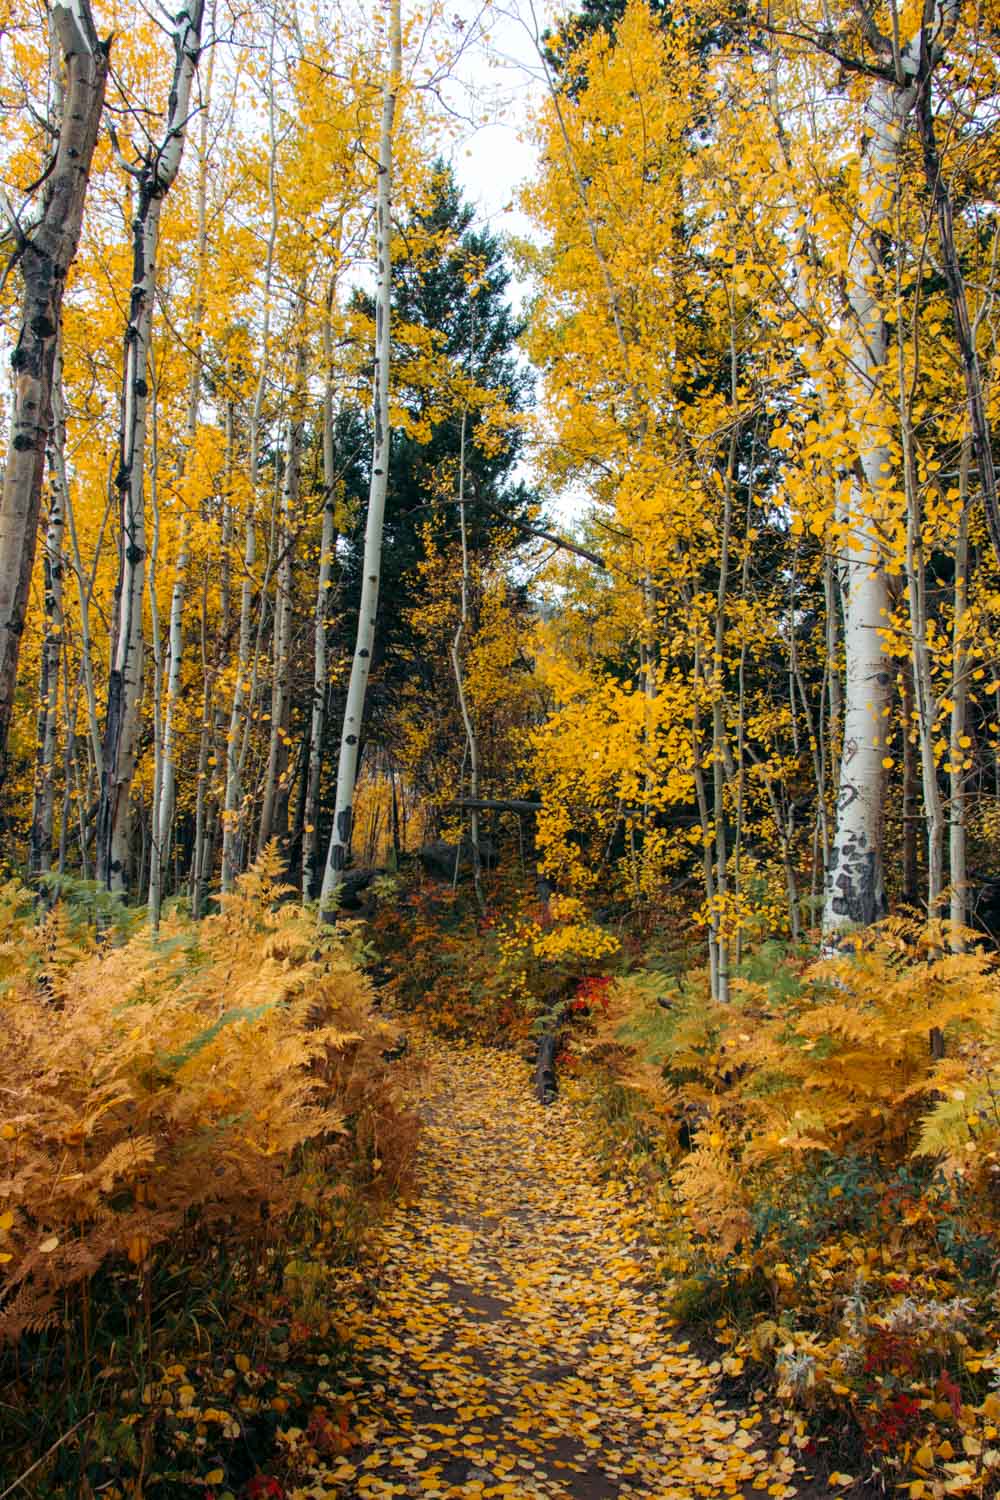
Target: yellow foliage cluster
(166, 1086)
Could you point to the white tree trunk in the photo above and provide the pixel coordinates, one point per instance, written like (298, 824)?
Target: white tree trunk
(324, 587)
(958, 751)
(855, 890)
(237, 739)
(347, 766)
(155, 178)
(162, 815)
(275, 789)
(47, 247)
(40, 839)
(471, 742)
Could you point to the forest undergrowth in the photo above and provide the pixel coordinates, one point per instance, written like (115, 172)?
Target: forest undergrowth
(198, 1130)
(823, 1152)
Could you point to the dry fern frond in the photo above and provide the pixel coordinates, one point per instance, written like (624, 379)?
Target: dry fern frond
(175, 1082)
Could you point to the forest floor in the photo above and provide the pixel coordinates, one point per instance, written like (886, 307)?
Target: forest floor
(513, 1344)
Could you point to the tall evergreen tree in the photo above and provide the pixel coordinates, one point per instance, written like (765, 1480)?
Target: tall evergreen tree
(454, 283)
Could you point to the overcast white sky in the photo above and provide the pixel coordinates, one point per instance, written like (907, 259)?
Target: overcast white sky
(494, 159)
(500, 77)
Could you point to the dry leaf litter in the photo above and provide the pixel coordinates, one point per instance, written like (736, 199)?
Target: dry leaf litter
(515, 1347)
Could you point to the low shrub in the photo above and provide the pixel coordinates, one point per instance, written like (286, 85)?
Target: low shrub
(833, 1212)
(182, 1116)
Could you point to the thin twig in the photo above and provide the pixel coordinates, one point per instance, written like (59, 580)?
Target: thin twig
(47, 1454)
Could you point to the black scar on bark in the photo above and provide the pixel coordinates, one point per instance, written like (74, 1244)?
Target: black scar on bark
(352, 739)
(23, 442)
(364, 651)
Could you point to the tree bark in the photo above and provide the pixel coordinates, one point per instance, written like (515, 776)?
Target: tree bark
(324, 586)
(238, 737)
(154, 178)
(855, 890)
(275, 786)
(959, 749)
(45, 250)
(347, 766)
(40, 838)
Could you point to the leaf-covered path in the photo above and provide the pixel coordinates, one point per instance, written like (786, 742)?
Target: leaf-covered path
(515, 1347)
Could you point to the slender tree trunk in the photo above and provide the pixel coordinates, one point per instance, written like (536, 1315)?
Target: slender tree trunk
(208, 679)
(911, 882)
(154, 180)
(959, 747)
(162, 812)
(238, 737)
(311, 858)
(926, 705)
(720, 746)
(715, 937)
(40, 838)
(275, 782)
(85, 590)
(207, 797)
(155, 640)
(396, 845)
(472, 743)
(347, 766)
(69, 749)
(45, 246)
(979, 424)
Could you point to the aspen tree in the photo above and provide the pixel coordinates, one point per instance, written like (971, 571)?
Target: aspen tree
(275, 793)
(44, 235)
(958, 775)
(244, 688)
(153, 176)
(855, 893)
(162, 812)
(324, 588)
(347, 766)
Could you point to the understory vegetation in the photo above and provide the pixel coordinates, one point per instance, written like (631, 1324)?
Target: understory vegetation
(823, 1153)
(197, 1129)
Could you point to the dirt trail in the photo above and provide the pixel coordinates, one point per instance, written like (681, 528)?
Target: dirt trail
(515, 1347)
